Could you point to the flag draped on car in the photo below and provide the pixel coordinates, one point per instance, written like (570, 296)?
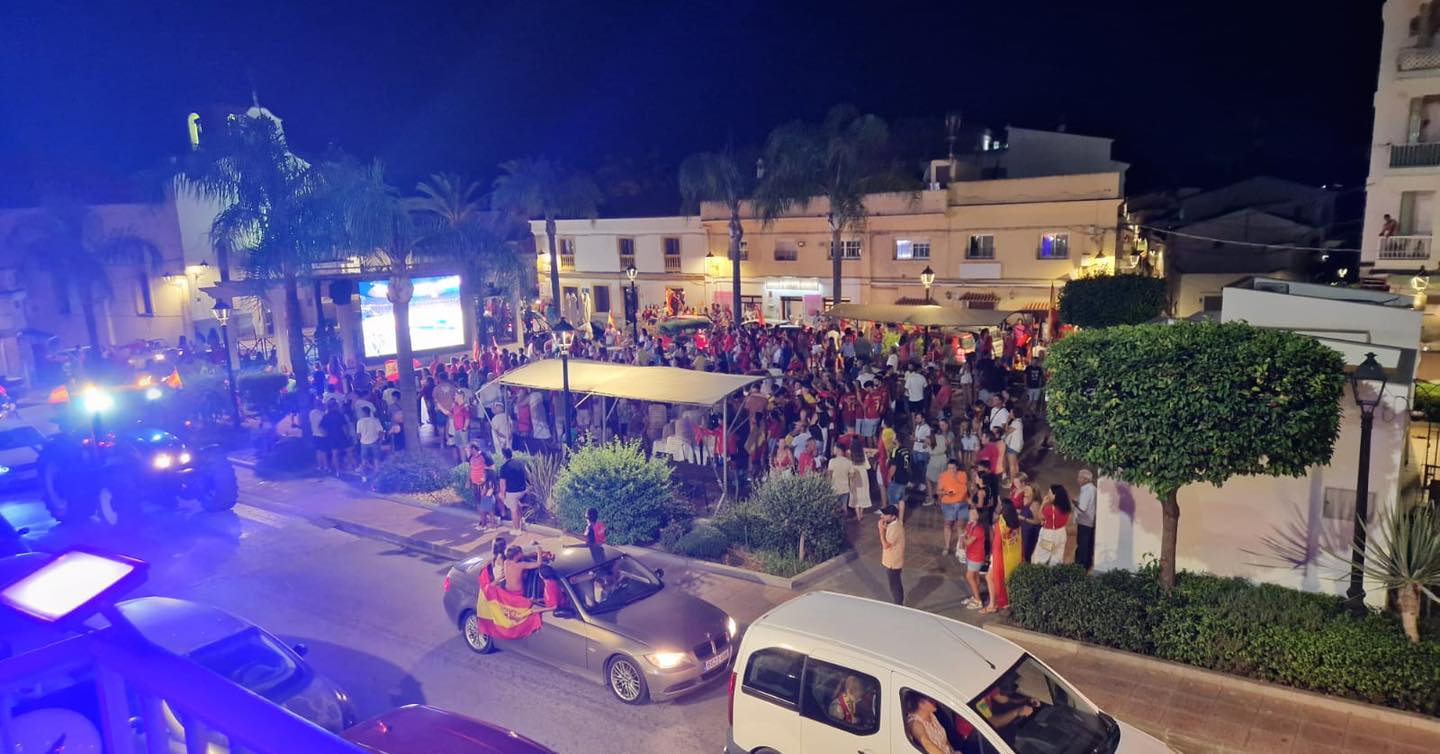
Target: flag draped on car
(503, 614)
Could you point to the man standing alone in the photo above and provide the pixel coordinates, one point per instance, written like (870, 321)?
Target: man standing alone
(1085, 521)
(892, 550)
(512, 489)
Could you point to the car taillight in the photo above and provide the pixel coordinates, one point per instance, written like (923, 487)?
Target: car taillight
(730, 702)
(447, 582)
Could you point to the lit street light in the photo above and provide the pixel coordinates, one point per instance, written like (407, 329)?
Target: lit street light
(1367, 383)
(564, 338)
(222, 313)
(631, 272)
(927, 278)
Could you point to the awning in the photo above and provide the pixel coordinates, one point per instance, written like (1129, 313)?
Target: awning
(918, 314)
(663, 384)
(993, 298)
(1041, 305)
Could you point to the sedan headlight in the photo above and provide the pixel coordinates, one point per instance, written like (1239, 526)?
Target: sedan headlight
(184, 457)
(163, 461)
(730, 628)
(667, 660)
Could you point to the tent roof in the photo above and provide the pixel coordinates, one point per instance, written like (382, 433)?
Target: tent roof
(663, 384)
(919, 314)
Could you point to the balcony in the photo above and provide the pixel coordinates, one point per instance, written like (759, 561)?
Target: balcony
(1418, 59)
(672, 262)
(1399, 248)
(1425, 155)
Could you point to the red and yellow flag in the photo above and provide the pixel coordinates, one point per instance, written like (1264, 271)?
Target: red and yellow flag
(174, 379)
(60, 394)
(503, 614)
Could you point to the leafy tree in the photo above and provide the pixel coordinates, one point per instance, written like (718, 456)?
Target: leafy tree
(270, 211)
(69, 242)
(631, 492)
(1164, 406)
(1109, 300)
(841, 159)
(799, 516)
(720, 177)
(540, 187)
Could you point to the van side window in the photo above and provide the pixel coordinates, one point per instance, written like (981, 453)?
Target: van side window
(947, 733)
(774, 675)
(841, 697)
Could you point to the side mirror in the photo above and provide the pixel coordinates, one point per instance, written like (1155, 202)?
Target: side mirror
(301, 649)
(659, 573)
(564, 612)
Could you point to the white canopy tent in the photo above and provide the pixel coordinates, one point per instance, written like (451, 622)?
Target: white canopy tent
(925, 315)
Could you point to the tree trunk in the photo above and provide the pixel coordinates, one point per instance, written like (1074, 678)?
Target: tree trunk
(295, 336)
(737, 233)
(836, 252)
(1170, 505)
(802, 546)
(554, 270)
(1409, 599)
(92, 329)
(401, 290)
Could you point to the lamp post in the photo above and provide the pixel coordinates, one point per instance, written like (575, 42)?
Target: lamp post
(564, 338)
(222, 313)
(631, 272)
(927, 278)
(1367, 383)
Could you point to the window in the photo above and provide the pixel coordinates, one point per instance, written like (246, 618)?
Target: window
(1062, 721)
(627, 252)
(908, 249)
(672, 264)
(774, 675)
(601, 295)
(567, 253)
(981, 247)
(840, 697)
(672, 247)
(144, 305)
(1211, 303)
(849, 249)
(961, 736)
(786, 251)
(1339, 504)
(1054, 246)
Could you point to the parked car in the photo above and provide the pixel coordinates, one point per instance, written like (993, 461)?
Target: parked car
(421, 729)
(618, 624)
(828, 672)
(243, 653)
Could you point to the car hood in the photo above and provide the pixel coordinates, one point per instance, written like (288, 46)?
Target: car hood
(322, 702)
(669, 619)
(1136, 741)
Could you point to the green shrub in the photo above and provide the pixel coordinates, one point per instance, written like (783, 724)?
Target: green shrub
(631, 492)
(795, 515)
(1109, 300)
(1266, 632)
(780, 565)
(671, 533)
(291, 456)
(261, 391)
(705, 542)
(413, 471)
(1427, 400)
(460, 482)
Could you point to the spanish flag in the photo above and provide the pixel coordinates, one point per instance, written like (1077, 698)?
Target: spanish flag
(503, 614)
(610, 319)
(60, 394)
(174, 380)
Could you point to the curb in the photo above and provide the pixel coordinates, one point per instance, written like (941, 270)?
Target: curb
(1334, 704)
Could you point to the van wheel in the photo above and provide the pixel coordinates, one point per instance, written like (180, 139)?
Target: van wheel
(478, 641)
(626, 680)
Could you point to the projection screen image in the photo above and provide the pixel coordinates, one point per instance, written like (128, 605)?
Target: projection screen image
(436, 316)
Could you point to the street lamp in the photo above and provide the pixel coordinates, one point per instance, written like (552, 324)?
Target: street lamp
(564, 338)
(1367, 383)
(631, 272)
(222, 313)
(927, 278)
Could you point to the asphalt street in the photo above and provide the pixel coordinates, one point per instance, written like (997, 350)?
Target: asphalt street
(372, 619)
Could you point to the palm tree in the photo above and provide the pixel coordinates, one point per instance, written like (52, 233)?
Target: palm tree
(453, 198)
(68, 242)
(841, 159)
(270, 212)
(1404, 558)
(538, 187)
(719, 177)
(463, 226)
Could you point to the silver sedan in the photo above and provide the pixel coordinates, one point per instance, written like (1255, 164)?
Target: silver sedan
(618, 624)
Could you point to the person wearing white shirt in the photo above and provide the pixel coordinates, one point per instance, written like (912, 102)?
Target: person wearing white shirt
(1085, 520)
(999, 414)
(1014, 444)
(915, 390)
(369, 430)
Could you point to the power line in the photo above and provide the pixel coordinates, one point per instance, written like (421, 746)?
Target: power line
(1233, 242)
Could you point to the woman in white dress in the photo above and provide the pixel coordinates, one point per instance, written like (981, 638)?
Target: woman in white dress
(859, 481)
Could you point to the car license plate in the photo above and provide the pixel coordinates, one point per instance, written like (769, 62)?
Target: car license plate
(717, 660)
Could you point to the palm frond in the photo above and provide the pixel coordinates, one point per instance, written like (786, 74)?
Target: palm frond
(1403, 550)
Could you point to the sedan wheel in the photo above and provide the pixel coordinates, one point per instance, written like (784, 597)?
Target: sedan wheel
(478, 641)
(626, 681)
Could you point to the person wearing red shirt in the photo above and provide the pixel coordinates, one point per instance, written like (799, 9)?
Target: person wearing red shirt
(850, 409)
(974, 549)
(871, 408)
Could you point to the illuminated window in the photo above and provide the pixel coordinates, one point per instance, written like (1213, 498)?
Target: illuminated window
(982, 246)
(908, 249)
(1054, 246)
(567, 253)
(786, 251)
(627, 252)
(849, 249)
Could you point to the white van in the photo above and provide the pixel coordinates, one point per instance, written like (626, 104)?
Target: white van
(829, 673)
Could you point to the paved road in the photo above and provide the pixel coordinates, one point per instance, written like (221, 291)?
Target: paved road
(371, 617)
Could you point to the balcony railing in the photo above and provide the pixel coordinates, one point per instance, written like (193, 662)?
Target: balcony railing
(1405, 247)
(1425, 155)
(672, 263)
(1418, 59)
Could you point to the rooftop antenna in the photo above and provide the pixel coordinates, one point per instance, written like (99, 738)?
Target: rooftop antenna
(952, 130)
(967, 644)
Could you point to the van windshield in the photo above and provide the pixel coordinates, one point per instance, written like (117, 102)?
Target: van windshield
(1035, 712)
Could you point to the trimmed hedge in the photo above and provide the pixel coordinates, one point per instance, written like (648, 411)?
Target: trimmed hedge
(1266, 632)
(631, 492)
(703, 541)
(1109, 300)
(413, 471)
(261, 391)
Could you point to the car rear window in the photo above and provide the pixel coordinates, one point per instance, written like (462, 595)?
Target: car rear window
(775, 674)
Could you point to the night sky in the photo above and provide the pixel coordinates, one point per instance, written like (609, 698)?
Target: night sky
(1195, 92)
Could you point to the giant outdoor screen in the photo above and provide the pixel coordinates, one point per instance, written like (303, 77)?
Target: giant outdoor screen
(436, 319)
